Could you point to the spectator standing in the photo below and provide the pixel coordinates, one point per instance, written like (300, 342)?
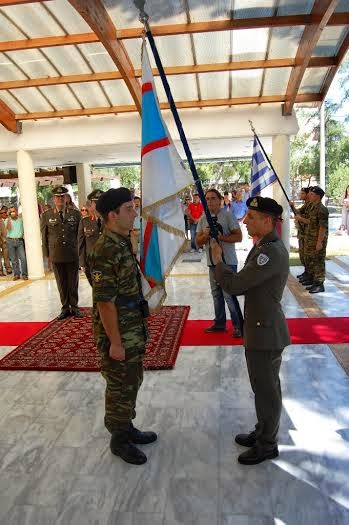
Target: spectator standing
(4, 255)
(227, 201)
(345, 212)
(195, 211)
(239, 207)
(136, 231)
(15, 240)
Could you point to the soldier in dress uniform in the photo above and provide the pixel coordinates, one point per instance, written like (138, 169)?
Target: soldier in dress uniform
(90, 228)
(261, 281)
(120, 330)
(59, 230)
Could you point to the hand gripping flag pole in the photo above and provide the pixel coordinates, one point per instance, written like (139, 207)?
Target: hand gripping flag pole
(271, 166)
(144, 17)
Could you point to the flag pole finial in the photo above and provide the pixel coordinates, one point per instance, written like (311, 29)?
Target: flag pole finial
(143, 16)
(252, 127)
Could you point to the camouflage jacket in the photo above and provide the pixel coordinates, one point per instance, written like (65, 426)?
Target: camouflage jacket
(115, 277)
(304, 211)
(318, 215)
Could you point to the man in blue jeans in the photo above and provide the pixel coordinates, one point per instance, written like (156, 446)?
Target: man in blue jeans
(15, 242)
(230, 233)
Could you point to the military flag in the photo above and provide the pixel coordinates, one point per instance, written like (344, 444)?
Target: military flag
(262, 175)
(164, 176)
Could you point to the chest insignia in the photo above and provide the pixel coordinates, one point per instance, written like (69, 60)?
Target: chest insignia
(97, 276)
(262, 259)
(52, 221)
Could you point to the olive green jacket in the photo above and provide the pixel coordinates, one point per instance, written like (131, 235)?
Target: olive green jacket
(60, 239)
(262, 281)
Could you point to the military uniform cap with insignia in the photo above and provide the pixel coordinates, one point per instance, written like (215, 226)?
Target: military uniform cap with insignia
(265, 205)
(94, 195)
(59, 190)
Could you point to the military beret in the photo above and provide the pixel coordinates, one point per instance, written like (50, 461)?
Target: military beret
(306, 190)
(59, 190)
(265, 205)
(94, 195)
(112, 199)
(317, 190)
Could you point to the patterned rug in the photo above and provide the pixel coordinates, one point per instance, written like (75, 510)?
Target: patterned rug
(69, 346)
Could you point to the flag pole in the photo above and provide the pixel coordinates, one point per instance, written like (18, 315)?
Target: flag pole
(144, 19)
(272, 167)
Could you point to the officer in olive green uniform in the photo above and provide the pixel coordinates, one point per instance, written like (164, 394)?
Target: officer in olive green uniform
(315, 241)
(120, 330)
(261, 281)
(303, 211)
(90, 228)
(59, 230)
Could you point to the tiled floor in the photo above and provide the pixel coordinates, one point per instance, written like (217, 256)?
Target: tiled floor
(55, 463)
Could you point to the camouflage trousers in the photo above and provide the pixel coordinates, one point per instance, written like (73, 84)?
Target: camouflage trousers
(301, 250)
(315, 262)
(123, 380)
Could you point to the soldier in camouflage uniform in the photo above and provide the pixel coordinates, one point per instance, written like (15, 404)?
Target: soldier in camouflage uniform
(90, 228)
(120, 330)
(303, 211)
(315, 241)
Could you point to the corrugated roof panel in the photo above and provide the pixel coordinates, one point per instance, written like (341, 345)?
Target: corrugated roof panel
(276, 80)
(117, 92)
(33, 19)
(70, 19)
(296, 7)
(313, 80)
(183, 87)
(32, 99)
(249, 44)
(246, 83)
(260, 8)
(208, 10)
(8, 70)
(211, 48)
(61, 97)
(285, 41)
(214, 85)
(67, 60)
(330, 40)
(133, 48)
(173, 50)
(6, 97)
(343, 6)
(8, 30)
(32, 62)
(90, 94)
(98, 57)
(124, 13)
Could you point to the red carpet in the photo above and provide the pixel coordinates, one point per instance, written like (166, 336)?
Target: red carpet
(304, 330)
(68, 345)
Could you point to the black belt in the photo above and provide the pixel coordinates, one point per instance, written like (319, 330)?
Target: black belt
(15, 238)
(129, 302)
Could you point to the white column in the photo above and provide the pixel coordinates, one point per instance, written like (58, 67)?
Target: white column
(281, 163)
(322, 148)
(83, 177)
(30, 215)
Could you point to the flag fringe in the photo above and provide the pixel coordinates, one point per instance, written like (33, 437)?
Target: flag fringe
(148, 209)
(169, 270)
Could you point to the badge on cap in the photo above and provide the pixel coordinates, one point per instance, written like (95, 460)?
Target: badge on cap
(262, 259)
(97, 276)
(254, 203)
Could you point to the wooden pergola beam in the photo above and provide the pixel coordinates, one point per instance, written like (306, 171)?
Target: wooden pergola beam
(176, 70)
(332, 72)
(4, 3)
(96, 16)
(8, 119)
(321, 14)
(306, 98)
(174, 29)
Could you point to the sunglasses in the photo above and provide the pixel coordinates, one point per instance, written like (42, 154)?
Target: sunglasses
(84, 209)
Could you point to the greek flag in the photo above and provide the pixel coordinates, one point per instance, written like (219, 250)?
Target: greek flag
(164, 177)
(262, 174)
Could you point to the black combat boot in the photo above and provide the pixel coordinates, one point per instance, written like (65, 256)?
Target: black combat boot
(121, 446)
(301, 275)
(246, 440)
(317, 287)
(257, 454)
(307, 282)
(139, 437)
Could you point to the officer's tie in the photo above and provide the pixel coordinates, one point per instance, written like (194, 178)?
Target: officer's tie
(99, 224)
(61, 215)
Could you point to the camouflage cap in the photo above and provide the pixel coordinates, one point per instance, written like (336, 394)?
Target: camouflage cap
(94, 195)
(59, 190)
(317, 190)
(112, 199)
(265, 205)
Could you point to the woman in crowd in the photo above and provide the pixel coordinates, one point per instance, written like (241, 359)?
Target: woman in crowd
(345, 211)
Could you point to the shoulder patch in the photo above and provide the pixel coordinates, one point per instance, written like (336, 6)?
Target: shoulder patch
(97, 276)
(262, 259)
